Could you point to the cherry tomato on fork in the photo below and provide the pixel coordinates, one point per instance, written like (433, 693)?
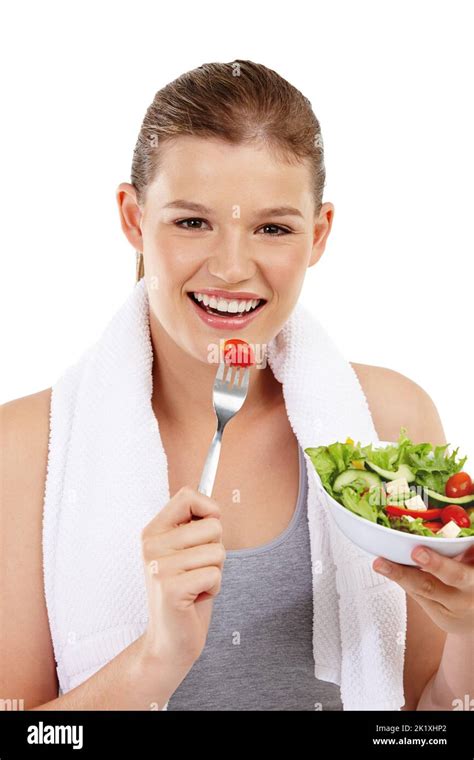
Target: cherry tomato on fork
(238, 353)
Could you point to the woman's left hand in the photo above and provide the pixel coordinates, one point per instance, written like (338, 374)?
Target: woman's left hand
(443, 586)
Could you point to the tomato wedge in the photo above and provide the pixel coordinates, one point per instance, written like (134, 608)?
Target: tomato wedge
(434, 526)
(426, 514)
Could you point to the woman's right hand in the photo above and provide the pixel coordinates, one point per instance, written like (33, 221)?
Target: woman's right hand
(183, 559)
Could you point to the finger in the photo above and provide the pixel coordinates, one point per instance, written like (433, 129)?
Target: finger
(191, 559)
(466, 556)
(448, 570)
(203, 531)
(184, 590)
(422, 584)
(181, 507)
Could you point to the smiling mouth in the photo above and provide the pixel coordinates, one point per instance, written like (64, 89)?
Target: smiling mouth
(227, 314)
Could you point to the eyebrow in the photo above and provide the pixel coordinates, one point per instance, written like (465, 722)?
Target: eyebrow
(272, 211)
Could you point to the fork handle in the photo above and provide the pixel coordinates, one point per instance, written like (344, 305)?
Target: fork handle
(208, 476)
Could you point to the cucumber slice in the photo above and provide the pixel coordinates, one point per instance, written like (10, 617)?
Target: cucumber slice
(402, 472)
(443, 501)
(348, 477)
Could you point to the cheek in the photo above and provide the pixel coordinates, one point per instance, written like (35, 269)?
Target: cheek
(169, 266)
(285, 272)
(176, 253)
(185, 258)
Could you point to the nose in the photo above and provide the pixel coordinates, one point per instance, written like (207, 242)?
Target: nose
(231, 261)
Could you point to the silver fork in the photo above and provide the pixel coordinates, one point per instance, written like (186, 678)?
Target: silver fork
(228, 396)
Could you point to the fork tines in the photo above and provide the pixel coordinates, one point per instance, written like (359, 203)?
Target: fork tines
(232, 378)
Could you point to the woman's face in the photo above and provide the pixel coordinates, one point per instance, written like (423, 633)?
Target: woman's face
(213, 219)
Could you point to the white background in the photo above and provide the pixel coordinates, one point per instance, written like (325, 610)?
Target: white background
(391, 83)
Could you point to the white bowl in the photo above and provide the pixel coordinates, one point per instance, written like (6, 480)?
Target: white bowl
(394, 545)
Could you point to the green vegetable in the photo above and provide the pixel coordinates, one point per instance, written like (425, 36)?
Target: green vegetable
(367, 479)
(412, 527)
(347, 469)
(439, 499)
(403, 471)
(324, 465)
(360, 506)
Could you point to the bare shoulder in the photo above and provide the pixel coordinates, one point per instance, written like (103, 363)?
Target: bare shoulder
(396, 400)
(31, 411)
(24, 436)
(24, 432)
(27, 668)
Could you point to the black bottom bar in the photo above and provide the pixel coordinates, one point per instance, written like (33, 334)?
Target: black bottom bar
(99, 734)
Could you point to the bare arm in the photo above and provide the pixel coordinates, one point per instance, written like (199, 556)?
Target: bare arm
(142, 676)
(133, 680)
(452, 685)
(27, 668)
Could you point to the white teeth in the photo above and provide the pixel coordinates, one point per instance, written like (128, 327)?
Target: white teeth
(222, 305)
(233, 306)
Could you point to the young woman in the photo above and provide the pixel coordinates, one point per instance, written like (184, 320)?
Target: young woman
(225, 199)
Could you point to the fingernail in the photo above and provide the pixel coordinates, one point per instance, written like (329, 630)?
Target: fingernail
(383, 567)
(422, 557)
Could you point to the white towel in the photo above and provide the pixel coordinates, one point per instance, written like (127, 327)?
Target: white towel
(108, 476)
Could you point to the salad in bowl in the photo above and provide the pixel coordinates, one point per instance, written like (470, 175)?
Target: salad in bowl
(390, 496)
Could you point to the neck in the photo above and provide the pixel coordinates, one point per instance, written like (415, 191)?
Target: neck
(182, 385)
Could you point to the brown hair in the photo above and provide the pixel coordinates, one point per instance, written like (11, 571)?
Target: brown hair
(240, 102)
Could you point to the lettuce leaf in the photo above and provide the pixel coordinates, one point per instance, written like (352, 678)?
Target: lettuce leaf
(357, 504)
(430, 464)
(325, 466)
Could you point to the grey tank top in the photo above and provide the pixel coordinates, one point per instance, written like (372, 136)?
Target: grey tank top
(258, 653)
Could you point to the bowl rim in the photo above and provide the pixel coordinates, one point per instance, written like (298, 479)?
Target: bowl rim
(413, 536)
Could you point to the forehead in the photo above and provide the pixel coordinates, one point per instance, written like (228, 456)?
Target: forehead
(210, 166)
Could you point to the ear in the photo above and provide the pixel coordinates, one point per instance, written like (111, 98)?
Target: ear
(130, 214)
(322, 228)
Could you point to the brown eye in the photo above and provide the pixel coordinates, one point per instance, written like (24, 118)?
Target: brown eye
(276, 227)
(192, 219)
